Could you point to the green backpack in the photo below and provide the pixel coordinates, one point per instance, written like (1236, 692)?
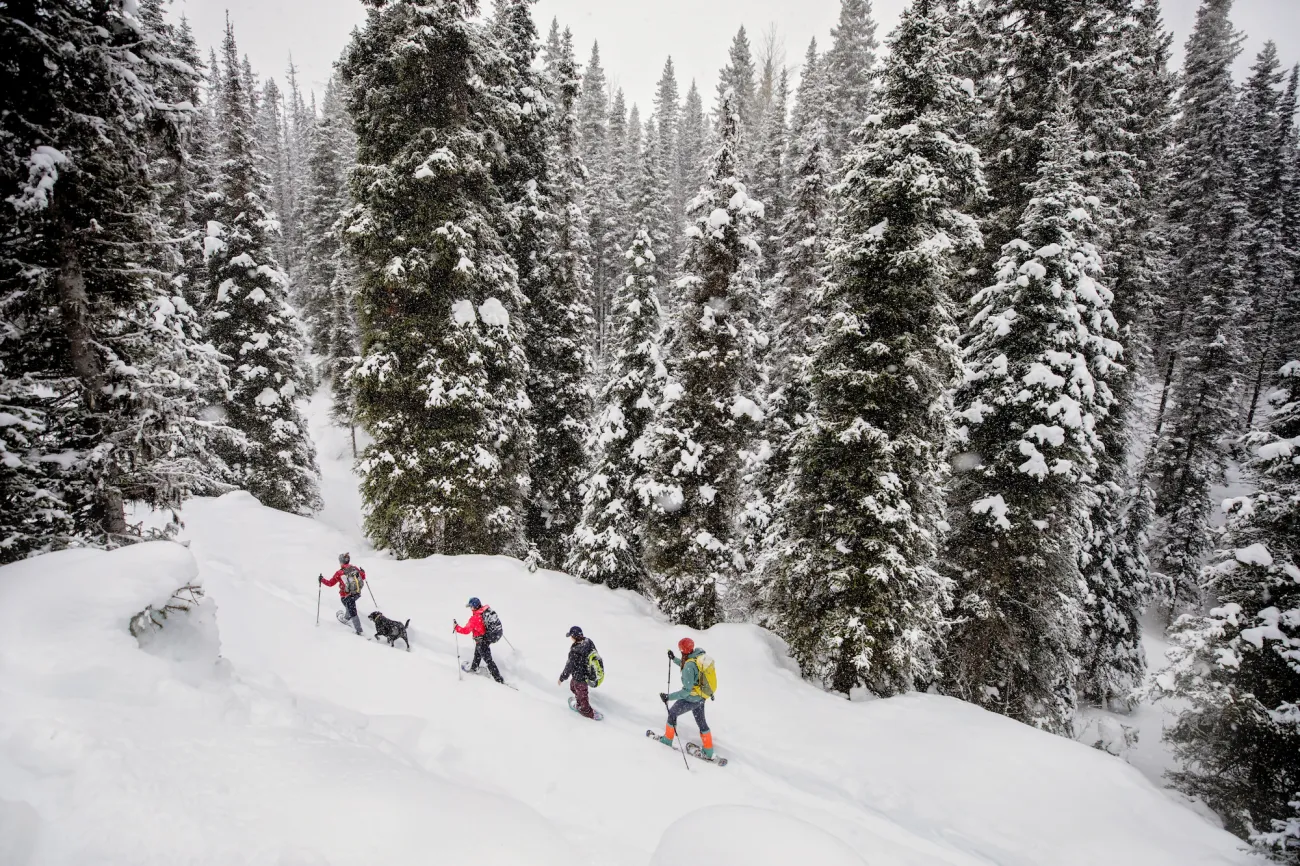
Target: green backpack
(595, 669)
(352, 579)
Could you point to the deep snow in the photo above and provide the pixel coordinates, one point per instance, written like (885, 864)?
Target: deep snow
(304, 744)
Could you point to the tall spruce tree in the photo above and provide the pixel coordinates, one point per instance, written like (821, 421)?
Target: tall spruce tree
(1129, 114)
(559, 336)
(1268, 121)
(850, 64)
(801, 239)
(1039, 350)
(601, 202)
(854, 588)
(442, 380)
(739, 78)
(252, 324)
(608, 541)
(101, 376)
(709, 410)
(1204, 369)
(688, 169)
(1237, 668)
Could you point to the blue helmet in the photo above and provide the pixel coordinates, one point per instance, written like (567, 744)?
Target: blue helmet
(474, 603)
(574, 632)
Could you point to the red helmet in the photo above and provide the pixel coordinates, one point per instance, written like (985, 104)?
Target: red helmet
(686, 645)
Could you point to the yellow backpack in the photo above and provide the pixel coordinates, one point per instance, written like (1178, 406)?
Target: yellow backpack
(707, 682)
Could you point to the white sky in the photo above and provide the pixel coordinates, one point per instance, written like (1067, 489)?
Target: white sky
(637, 35)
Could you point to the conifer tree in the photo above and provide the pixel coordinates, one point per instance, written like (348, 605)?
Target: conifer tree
(1268, 115)
(601, 198)
(770, 169)
(101, 376)
(559, 336)
(854, 588)
(669, 121)
(709, 410)
(1128, 133)
(1237, 667)
(608, 540)
(442, 380)
(1208, 218)
(688, 166)
(801, 239)
(739, 77)
(270, 141)
(252, 324)
(321, 233)
(1040, 349)
(849, 65)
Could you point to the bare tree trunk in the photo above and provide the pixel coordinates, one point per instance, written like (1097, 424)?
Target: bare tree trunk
(353, 428)
(74, 315)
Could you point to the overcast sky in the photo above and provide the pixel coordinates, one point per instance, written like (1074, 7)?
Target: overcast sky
(637, 35)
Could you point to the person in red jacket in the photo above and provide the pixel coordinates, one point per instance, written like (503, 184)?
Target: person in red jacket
(482, 641)
(349, 579)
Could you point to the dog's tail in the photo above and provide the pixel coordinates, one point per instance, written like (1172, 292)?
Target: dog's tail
(405, 624)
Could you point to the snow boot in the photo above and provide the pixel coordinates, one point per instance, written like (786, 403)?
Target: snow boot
(707, 739)
(669, 733)
(356, 624)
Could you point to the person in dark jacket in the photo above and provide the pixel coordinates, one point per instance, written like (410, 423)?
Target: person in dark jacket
(575, 670)
(348, 616)
(482, 646)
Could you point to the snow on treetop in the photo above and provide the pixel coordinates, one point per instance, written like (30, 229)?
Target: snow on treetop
(743, 406)
(494, 314)
(42, 173)
(1255, 554)
(995, 507)
(462, 313)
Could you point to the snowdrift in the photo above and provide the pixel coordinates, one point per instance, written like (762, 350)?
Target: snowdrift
(245, 733)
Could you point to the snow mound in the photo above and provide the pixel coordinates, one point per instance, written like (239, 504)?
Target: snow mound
(749, 836)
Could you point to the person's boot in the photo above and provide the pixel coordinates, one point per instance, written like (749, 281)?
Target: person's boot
(356, 624)
(669, 733)
(707, 740)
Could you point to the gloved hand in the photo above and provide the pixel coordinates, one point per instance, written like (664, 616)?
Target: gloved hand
(320, 578)
(663, 696)
(454, 626)
(672, 656)
(560, 681)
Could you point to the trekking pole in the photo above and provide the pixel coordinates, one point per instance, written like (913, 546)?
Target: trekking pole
(459, 674)
(318, 585)
(372, 595)
(509, 644)
(677, 739)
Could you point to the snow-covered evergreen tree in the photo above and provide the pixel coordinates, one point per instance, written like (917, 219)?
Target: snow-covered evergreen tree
(669, 122)
(601, 208)
(801, 238)
(558, 340)
(739, 77)
(687, 171)
(326, 198)
(850, 64)
(709, 410)
(252, 324)
(607, 543)
(442, 380)
(854, 588)
(770, 171)
(1238, 667)
(101, 375)
(1208, 218)
(1268, 128)
(1039, 350)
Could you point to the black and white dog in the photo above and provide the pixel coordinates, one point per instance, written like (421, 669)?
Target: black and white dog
(390, 628)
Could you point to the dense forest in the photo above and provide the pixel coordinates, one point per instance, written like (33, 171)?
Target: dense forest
(951, 356)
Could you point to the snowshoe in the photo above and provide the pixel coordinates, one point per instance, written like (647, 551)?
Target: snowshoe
(573, 705)
(466, 668)
(696, 751)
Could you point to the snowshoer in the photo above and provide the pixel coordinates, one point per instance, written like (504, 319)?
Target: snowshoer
(578, 670)
(690, 697)
(349, 579)
(482, 639)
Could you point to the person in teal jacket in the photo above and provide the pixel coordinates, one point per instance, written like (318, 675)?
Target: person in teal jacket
(689, 698)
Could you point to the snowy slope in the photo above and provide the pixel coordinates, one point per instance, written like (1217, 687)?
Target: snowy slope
(308, 745)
